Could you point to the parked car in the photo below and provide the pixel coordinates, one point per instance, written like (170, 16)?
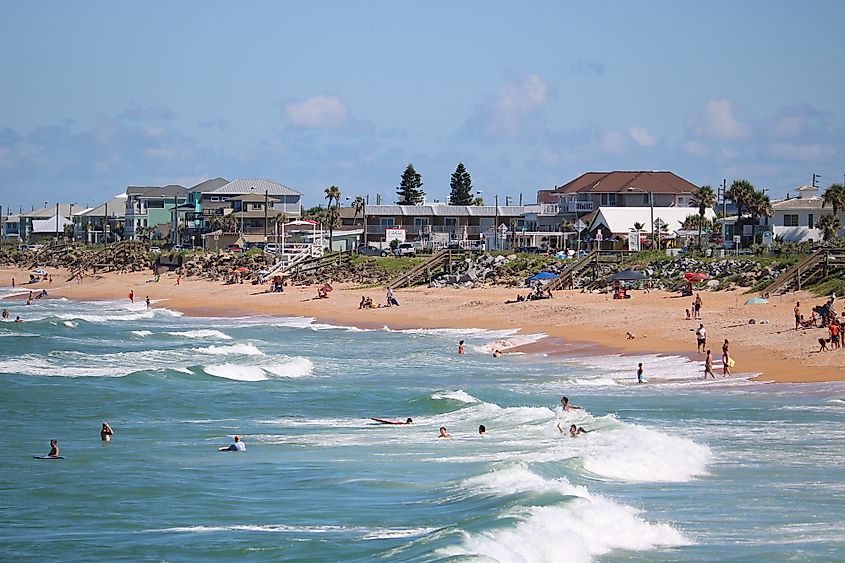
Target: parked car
(181, 247)
(234, 248)
(273, 248)
(370, 250)
(155, 249)
(405, 249)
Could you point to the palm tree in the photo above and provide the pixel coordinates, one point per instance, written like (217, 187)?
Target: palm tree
(358, 205)
(332, 193)
(829, 224)
(759, 206)
(705, 198)
(740, 192)
(834, 196)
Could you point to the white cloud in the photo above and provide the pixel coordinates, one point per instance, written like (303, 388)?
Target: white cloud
(642, 137)
(718, 121)
(514, 110)
(613, 142)
(318, 112)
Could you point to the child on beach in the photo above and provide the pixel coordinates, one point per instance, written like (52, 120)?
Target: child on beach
(640, 378)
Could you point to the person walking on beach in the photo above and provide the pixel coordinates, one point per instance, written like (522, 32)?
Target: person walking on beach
(726, 359)
(640, 378)
(178, 279)
(797, 311)
(697, 305)
(564, 402)
(106, 432)
(148, 301)
(13, 281)
(701, 337)
(708, 365)
(131, 296)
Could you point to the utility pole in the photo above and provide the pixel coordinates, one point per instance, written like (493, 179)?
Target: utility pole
(724, 211)
(266, 200)
(106, 224)
(57, 222)
(496, 221)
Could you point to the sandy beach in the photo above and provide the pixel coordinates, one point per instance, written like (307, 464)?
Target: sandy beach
(770, 347)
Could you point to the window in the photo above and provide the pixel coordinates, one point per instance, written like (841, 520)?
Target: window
(155, 204)
(790, 220)
(213, 198)
(420, 221)
(450, 221)
(387, 221)
(257, 206)
(810, 222)
(646, 200)
(608, 199)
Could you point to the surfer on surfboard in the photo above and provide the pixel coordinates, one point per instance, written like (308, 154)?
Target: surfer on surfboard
(385, 421)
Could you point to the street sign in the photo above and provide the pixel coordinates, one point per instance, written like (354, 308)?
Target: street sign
(599, 236)
(768, 240)
(634, 241)
(580, 225)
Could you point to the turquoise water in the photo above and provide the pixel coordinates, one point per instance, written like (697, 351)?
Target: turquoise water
(677, 470)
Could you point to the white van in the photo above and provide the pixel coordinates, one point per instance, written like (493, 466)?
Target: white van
(273, 248)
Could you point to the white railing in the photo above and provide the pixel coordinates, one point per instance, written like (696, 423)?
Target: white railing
(580, 206)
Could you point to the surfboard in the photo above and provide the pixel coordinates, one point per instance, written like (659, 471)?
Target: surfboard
(384, 421)
(47, 457)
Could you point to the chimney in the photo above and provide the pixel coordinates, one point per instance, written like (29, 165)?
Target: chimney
(807, 192)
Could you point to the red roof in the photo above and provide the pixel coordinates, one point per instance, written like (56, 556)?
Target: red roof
(620, 181)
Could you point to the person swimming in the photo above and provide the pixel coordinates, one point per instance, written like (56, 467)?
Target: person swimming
(497, 353)
(564, 402)
(238, 446)
(482, 430)
(444, 433)
(106, 432)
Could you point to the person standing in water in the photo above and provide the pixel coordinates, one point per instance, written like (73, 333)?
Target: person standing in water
(461, 348)
(708, 365)
(726, 358)
(131, 296)
(106, 432)
(148, 301)
(640, 378)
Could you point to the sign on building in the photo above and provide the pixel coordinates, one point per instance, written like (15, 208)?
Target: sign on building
(634, 241)
(391, 234)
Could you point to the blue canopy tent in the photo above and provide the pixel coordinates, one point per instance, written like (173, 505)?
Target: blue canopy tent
(543, 276)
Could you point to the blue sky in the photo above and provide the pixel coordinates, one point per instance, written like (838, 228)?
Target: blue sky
(96, 96)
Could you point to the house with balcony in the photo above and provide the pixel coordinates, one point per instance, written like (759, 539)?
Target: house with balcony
(439, 223)
(149, 207)
(794, 218)
(10, 230)
(106, 221)
(28, 221)
(255, 206)
(586, 193)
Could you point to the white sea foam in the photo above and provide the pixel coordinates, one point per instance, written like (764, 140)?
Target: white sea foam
(142, 333)
(36, 365)
(70, 324)
(581, 526)
(460, 395)
(364, 533)
(241, 349)
(107, 318)
(201, 333)
(236, 372)
(292, 367)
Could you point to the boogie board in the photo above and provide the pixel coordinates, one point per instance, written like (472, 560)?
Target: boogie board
(47, 457)
(731, 362)
(384, 421)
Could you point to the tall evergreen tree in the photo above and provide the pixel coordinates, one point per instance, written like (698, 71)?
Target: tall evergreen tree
(461, 185)
(410, 189)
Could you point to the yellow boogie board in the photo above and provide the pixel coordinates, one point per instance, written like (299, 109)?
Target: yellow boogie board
(731, 362)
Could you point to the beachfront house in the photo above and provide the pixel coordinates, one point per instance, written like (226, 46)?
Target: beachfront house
(439, 224)
(10, 229)
(616, 224)
(29, 221)
(106, 221)
(795, 218)
(244, 209)
(592, 190)
(147, 209)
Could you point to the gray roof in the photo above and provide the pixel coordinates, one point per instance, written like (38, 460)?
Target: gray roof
(50, 211)
(209, 185)
(798, 203)
(117, 208)
(254, 186)
(169, 190)
(254, 198)
(439, 210)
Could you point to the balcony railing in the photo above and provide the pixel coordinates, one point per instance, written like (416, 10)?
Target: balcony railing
(580, 206)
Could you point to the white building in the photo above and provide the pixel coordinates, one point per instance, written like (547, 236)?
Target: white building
(620, 220)
(795, 219)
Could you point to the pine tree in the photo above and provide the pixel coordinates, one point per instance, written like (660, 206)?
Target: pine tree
(410, 190)
(461, 187)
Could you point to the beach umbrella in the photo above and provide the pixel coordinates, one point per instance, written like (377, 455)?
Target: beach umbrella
(543, 276)
(39, 272)
(627, 275)
(696, 276)
(242, 269)
(756, 301)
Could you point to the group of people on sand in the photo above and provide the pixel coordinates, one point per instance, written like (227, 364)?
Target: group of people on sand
(824, 316)
(368, 303)
(694, 312)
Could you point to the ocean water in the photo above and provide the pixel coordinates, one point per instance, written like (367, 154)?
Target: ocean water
(676, 470)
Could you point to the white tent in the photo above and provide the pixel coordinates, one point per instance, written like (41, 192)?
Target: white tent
(48, 226)
(620, 220)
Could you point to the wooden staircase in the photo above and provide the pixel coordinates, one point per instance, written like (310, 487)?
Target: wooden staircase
(566, 280)
(442, 259)
(304, 264)
(811, 269)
